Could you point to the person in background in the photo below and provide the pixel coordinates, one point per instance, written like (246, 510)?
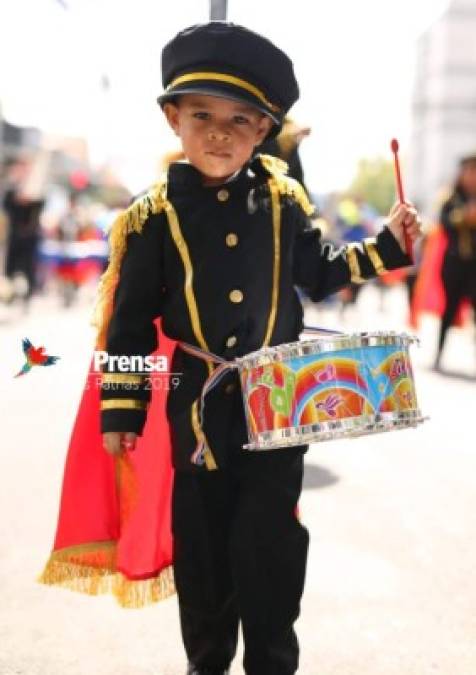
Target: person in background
(285, 146)
(353, 223)
(458, 273)
(23, 203)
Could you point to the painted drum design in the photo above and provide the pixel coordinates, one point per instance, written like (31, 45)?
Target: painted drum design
(326, 388)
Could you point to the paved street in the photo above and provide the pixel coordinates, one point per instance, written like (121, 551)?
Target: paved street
(391, 584)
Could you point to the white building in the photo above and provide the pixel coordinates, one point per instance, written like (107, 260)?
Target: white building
(444, 103)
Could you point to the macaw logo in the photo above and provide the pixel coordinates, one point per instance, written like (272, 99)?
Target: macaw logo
(35, 356)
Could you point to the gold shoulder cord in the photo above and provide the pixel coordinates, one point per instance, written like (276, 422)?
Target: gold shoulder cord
(182, 248)
(276, 215)
(280, 184)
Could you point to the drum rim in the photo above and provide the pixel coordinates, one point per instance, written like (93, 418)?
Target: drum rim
(323, 345)
(348, 427)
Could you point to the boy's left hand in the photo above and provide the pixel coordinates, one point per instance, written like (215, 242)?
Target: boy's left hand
(404, 217)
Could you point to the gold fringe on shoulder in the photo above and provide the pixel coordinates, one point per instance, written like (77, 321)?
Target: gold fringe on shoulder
(90, 569)
(287, 186)
(274, 166)
(130, 220)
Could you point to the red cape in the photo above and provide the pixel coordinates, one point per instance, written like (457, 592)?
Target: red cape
(429, 295)
(114, 526)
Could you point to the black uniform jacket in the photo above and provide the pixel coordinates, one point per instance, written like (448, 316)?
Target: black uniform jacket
(222, 274)
(461, 233)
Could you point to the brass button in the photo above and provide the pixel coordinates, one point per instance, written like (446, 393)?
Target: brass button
(222, 195)
(231, 239)
(230, 388)
(232, 340)
(236, 296)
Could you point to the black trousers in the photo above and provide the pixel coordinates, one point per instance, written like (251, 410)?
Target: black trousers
(22, 256)
(240, 555)
(459, 280)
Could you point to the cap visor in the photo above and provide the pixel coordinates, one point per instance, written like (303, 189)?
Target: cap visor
(221, 92)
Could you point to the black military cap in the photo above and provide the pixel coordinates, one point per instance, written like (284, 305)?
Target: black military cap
(223, 59)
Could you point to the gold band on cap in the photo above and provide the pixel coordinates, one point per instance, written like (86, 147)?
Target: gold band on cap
(228, 79)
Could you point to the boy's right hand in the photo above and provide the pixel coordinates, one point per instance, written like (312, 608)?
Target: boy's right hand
(116, 442)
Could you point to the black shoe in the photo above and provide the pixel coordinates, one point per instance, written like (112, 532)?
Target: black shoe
(193, 670)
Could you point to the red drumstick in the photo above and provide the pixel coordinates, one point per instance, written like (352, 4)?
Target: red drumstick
(401, 198)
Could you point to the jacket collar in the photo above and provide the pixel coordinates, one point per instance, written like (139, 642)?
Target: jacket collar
(183, 176)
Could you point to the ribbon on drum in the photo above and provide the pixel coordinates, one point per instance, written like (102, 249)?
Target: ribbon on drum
(323, 331)
(212, 380)
(223, 367)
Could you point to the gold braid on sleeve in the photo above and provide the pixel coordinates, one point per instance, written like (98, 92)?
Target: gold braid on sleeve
(353, 263)
(374, 257)
(123, 404)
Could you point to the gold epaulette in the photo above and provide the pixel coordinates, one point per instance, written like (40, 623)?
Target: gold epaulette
(148, 204)
(130, 220)
(287, 186)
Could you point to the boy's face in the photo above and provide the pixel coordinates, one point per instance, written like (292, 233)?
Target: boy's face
(218, 135)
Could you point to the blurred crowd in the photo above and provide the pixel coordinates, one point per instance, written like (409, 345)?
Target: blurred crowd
(53, 229)
(442, 280)
(53, 234)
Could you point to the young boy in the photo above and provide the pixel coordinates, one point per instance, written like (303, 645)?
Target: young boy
(217, 251)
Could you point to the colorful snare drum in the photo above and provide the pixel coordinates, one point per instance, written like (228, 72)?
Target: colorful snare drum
(330, 387)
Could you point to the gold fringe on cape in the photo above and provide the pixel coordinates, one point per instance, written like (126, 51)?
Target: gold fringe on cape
(90, 569)
(287, 186)
(130, 220)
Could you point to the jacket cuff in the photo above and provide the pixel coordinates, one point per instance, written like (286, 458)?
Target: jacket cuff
(123, 420)
(125, 398)
(390, 251)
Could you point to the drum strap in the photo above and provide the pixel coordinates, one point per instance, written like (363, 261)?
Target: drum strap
(319, 330)
(223, 367)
